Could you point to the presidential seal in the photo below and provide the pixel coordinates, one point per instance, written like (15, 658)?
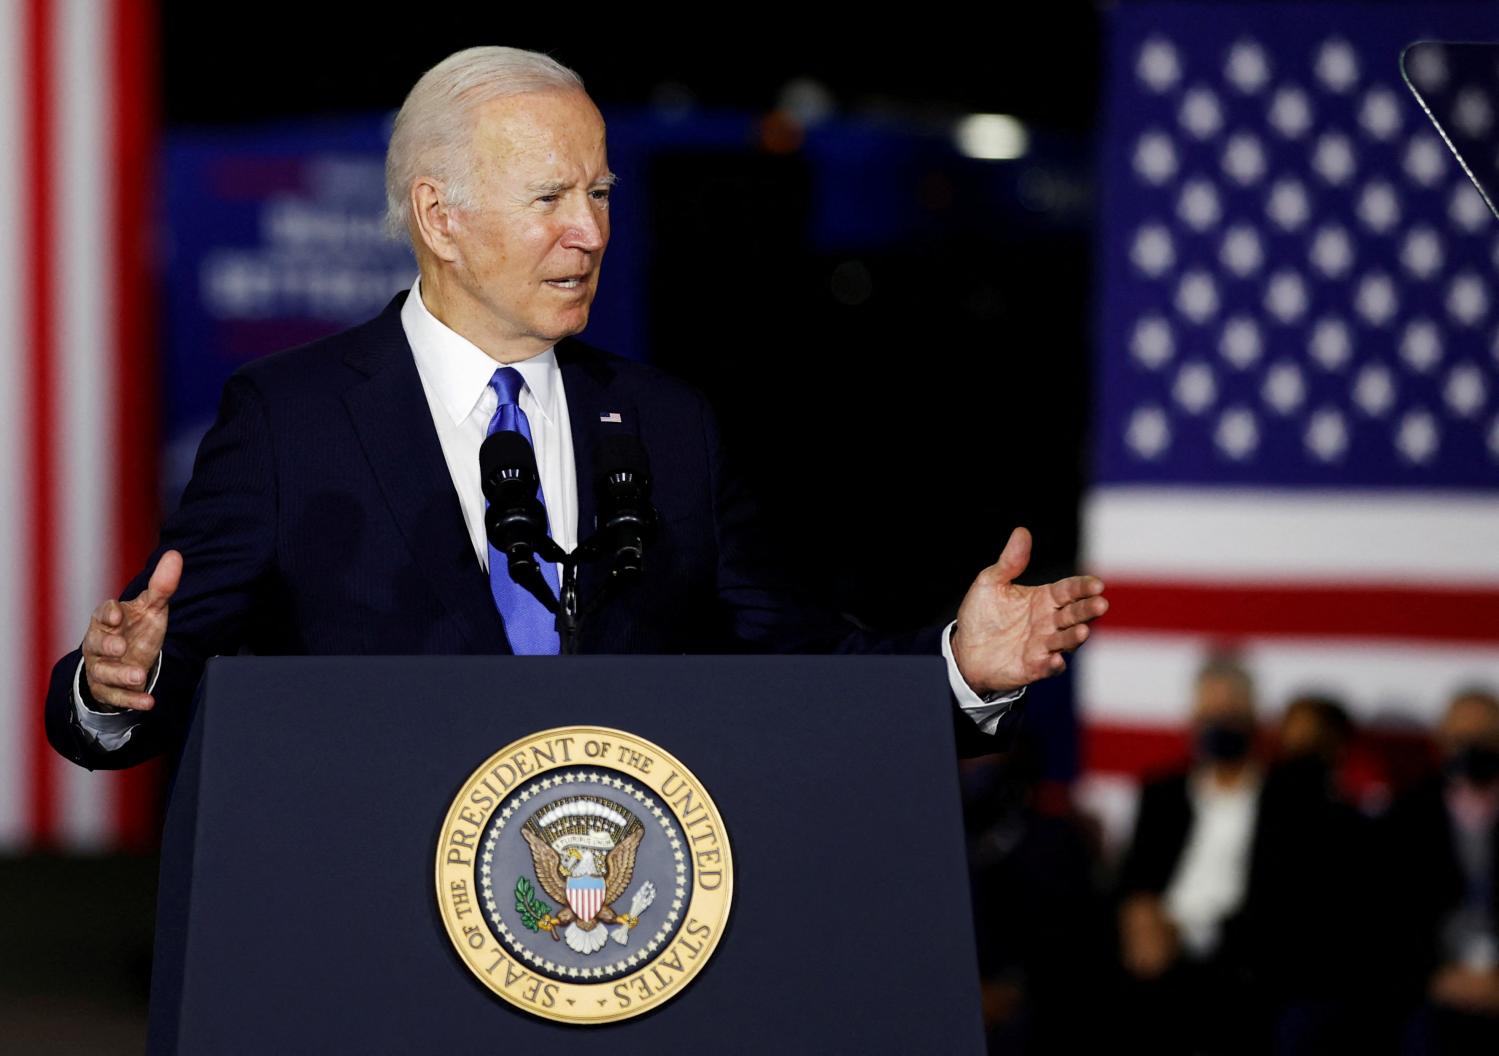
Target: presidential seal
(584, 875)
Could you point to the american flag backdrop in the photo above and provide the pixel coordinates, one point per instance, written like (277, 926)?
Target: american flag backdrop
(1297, 438)
(78, 390)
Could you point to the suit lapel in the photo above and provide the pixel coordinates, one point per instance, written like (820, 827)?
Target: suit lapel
(394, 425)
(586, 379)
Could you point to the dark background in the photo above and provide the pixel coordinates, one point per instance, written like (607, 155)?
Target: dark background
(1042, 64)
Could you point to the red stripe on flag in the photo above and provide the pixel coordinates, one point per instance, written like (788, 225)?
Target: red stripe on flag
(1115, 748)
(41, 344)
(1316, 610)
(133, 148)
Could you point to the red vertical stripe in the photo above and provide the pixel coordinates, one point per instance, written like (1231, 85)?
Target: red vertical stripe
(132, 88)
(41, 343)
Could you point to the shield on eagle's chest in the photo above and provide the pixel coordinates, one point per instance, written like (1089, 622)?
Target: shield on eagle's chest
(585, 894)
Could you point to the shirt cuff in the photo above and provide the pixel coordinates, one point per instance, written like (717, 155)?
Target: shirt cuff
(986, 710)
(111, 730)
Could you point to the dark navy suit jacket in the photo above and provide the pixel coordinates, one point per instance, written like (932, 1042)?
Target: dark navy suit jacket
(321, 519)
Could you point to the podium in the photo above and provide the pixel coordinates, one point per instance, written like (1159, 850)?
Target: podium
(298, 910)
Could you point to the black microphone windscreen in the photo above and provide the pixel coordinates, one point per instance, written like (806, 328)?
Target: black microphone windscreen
(506, 449)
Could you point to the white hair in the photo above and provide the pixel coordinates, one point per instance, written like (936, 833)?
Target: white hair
(435, 125)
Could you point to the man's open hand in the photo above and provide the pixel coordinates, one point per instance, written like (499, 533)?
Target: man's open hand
(1008, 635)
(124, 639)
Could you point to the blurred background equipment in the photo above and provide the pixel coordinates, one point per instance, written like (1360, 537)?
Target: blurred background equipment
(1455, 86)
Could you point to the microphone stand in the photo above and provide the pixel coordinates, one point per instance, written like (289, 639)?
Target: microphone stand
(512, 520)
(565, 604)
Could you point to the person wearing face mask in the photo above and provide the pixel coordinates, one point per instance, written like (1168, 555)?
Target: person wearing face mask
(1184, 880)
(1442, 887)
(1308, 913)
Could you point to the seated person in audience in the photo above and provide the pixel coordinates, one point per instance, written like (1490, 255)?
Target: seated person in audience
(1308, 941)
(1317, 729)
(1040, 914)
(1442, 894)
(1185, 877)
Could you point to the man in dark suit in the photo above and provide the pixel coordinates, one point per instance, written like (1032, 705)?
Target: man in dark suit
(321, 516)
(1241, 914)
(1439, 889)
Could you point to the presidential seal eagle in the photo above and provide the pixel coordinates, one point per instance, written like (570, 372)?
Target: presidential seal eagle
(583, 849)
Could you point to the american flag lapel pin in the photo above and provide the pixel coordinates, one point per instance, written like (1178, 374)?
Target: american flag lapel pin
(612, 417)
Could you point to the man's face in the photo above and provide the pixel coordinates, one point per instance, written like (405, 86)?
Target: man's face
(1469, 736)
(1470, 720)
(529, 250)
(1223, 718)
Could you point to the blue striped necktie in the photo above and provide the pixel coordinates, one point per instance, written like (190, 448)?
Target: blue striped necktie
(532, 630)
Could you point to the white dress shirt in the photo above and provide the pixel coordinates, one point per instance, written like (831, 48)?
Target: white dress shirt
(455, 375)
(1213, 875)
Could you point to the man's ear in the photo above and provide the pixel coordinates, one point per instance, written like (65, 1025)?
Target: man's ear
(432, 219)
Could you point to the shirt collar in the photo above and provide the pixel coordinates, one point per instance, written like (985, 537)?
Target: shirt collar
(458, 371)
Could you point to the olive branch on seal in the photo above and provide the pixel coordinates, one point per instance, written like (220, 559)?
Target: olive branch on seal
(532, 910)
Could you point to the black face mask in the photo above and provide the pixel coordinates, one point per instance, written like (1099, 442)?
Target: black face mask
(1308, 765)
(1475, 763)
(1223, 742)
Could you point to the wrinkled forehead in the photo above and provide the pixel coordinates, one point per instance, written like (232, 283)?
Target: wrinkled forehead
(556, 128)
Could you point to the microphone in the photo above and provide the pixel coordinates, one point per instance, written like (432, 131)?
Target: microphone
(516, 521)
(626, 518)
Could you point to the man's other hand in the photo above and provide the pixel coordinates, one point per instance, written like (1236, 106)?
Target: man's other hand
(1147, 938)
(124, 639)
(1008, 635)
